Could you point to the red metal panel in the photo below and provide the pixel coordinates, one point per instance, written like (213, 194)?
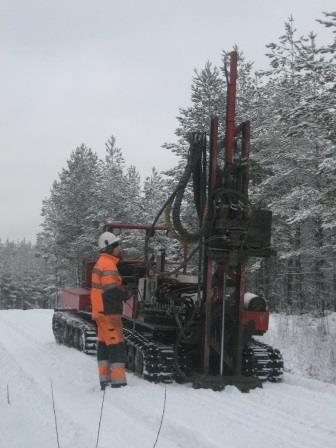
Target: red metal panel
(76, 298)
(260, 319)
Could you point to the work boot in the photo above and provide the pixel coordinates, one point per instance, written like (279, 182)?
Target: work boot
(103, 385)
(115, 386)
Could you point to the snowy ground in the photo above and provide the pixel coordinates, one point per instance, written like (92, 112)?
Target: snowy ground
(308, 344)
(298, 413)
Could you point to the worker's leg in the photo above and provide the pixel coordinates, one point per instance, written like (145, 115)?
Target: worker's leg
(102, 356)
(116, 352)
(117, 355)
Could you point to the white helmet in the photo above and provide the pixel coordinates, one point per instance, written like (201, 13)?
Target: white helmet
(106, 239)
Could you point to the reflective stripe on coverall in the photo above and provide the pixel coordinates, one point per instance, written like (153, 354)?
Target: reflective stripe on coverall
(111, 349)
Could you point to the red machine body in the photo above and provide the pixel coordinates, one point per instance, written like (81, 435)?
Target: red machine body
(260, 320)
(79, 299)
(75, 299)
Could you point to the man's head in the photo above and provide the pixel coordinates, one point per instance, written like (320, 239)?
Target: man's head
(110, 243)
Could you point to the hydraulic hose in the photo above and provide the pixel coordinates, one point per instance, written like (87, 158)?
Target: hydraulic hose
(149, 232)
(197, 148)
(174, 202)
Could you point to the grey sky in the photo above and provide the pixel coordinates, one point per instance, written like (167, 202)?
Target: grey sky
(76, 71)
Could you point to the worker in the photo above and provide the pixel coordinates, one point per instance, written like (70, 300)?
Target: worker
(107, 296)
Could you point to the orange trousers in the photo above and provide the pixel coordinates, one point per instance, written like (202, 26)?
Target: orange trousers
(111, 351)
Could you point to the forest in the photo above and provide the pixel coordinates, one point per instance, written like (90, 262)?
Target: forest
(292, 108)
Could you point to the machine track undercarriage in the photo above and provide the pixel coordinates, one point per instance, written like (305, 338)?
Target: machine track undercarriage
(158, 362)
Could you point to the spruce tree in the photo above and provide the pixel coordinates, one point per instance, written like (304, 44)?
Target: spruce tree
(113, 183)
(71, 221)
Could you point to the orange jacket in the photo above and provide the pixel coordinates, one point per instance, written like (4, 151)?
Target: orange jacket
(104, 274)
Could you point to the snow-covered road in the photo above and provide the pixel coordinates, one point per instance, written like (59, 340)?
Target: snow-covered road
(298, 413)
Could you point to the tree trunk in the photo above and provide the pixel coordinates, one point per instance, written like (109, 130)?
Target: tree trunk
(319, 268)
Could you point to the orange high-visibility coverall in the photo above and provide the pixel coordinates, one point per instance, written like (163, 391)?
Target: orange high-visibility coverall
(111, 349)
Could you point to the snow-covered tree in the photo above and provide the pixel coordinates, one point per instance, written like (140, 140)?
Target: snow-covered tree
(291, 106)
(71, 223)
(113, 183)
(22, 281)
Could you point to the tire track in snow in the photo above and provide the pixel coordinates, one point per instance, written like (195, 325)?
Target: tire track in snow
(188, 435)
(24, 342)
(283, 414)
(28, 369)
(31, 411)
(311, 402)
(265, 421)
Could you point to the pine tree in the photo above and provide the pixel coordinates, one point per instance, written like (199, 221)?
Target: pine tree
(131, 193)
(113, 183)
(293, 156)
(208, 99)
(71, 223)
(22, 283)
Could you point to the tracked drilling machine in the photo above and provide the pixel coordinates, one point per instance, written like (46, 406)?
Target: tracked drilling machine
(187, 326)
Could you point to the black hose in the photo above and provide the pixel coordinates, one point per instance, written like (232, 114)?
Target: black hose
(150, 231)
(194, 166)
(197, 147)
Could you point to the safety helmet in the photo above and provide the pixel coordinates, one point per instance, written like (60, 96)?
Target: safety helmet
(107, 239)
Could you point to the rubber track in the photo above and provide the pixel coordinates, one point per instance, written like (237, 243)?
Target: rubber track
(75, 332)
(263, 361)
(159, 360)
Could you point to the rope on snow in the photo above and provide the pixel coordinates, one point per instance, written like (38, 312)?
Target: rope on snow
(163, 412)
(53, 402)
(100, 418)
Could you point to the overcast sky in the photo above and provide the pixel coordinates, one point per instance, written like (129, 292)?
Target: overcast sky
(78, 71)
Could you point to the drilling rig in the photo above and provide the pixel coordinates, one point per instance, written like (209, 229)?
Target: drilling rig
(195, 324)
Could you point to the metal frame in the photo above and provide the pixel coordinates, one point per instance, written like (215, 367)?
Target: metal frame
(237, 277)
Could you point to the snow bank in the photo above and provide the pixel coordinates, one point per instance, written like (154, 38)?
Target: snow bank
(308, 344)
